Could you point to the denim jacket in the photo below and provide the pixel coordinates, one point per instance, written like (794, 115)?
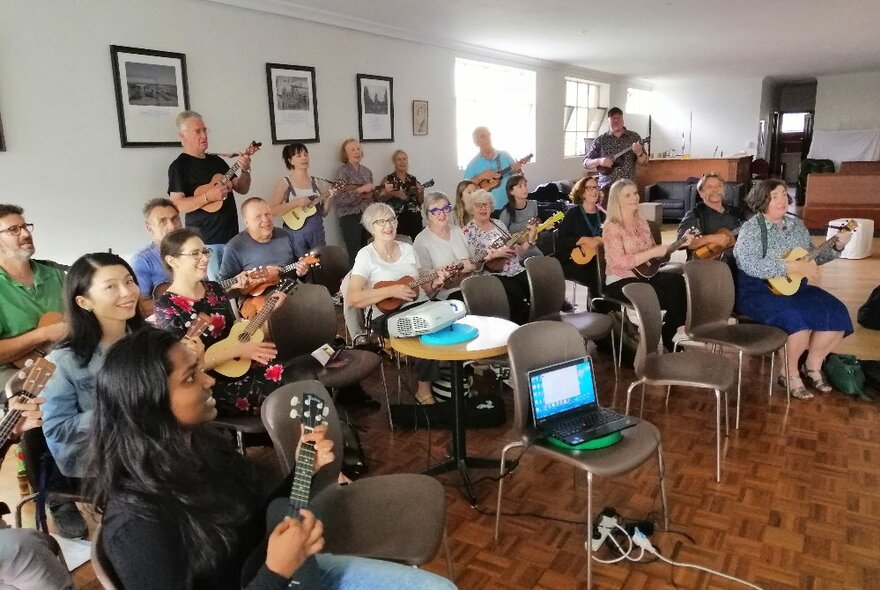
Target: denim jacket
(67, 413)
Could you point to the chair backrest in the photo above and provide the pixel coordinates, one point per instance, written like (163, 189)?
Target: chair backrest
(355, 324)
(285, 431)
(101, 564)
(533, 346)
(601, 264)
(647, 308)
(305, 320)
(334, 266)
(484, 295)
(710, 293)
(656, 232)
(546, 287)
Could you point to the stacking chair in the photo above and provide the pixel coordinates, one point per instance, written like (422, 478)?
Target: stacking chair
(606, 301)
(543, 343)
(484, 295)
(711, 293)
(241, 425)
(691, 368)
(334, 265)
(399, 517)
(547, 294)
(101, 564)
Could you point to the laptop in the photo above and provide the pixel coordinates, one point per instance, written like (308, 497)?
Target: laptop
(564, 403)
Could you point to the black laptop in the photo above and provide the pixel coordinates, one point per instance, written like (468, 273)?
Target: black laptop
(564, 403)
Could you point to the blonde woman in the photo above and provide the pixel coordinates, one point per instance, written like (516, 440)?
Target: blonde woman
(463, 192)
(351, 203)
(405, 194)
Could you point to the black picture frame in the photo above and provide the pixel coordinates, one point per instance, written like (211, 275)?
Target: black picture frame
(151, 90)
(293, 114)
(375, 96)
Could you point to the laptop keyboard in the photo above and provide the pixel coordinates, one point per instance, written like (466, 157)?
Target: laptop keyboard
(591, 420)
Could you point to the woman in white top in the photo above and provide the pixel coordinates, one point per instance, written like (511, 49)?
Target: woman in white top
(386, 259)
(443, 244)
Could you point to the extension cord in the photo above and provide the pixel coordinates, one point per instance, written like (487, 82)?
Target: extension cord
(607, 523)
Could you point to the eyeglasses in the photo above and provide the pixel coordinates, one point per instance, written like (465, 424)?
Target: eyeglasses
(438, 210)
(14, 230)
(591, 187)
(384, 222)
(206, 252)
(481, 205)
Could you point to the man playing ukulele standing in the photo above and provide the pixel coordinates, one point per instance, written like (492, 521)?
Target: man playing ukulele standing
(488, 164)
(195, 167)
(617, 139)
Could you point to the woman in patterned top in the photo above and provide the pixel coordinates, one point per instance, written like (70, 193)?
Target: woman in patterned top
(482, 233)
(405, 195)
(814, 320)
(350, 204)
(185, 255)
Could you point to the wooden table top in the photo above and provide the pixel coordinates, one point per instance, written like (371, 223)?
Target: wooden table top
(491, 341)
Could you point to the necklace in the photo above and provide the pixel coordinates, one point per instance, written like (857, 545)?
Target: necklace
(390, 255)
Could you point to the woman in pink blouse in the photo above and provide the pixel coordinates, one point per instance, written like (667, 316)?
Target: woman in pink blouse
(628, 243)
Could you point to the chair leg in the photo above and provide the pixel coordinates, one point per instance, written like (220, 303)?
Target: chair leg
(614, 357)
(668, 390)
(717, 436)
(589, 543)
(506, 448)
(20, 505)
(620, 344)
(628, 394)
(661, 467)
(726, 415)
(739, 384)
(642, 402)
(239, 441)
(772, 371)
(787, 384)
(449, 571)
(387, 399)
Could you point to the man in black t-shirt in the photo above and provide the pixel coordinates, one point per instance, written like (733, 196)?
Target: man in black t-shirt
(195, 167)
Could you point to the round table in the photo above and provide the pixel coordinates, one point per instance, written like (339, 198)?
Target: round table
(491, 342)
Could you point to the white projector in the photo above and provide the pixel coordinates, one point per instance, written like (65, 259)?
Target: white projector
(426, 318)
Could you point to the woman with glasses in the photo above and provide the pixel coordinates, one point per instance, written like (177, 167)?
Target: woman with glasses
(519, 210)
(184, 254)
(489, 236)
(463, 192)
(386, 259)
(580, 234)
(442, 243)
(351, 203)
(404, 193)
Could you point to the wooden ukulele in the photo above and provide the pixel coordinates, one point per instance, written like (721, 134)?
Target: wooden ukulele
(253, 304)
(296, 217)
(244, 331)
(47, 319)
(258, 276)
(497, 264)
(713, 250)
(197, 326)
(492, 178)
(584, 253)
(605, 170)
(788, 284)
(392, 303)
(649, 268)
(34, 380)
(217, 179)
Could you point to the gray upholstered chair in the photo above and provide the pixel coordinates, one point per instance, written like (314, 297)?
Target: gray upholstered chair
(241, 425)
(484, 295)
(711, 294)
(692, 368)
(540, 344)
(334, 265)
(400, 517)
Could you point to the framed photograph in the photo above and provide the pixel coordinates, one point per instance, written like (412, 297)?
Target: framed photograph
(420, 117)
(150, 92)
(375, 108)
(293, 103)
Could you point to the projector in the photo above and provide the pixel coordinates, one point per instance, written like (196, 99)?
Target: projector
(426, 318)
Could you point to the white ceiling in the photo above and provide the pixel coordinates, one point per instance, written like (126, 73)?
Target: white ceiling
(645, 39)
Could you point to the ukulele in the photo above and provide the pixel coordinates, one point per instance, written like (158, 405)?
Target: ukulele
(584, 253)
(244, 331)
(410, 204)
(713, 250)
(296, 217)
(788, 284)
(253, 304)
(390, 304)
(258, 276)
(47, 319)
(197, 326)
(497, 264)
(34, 380)
(217, 179)
(649, 268)
(606, 170)
(493, 177)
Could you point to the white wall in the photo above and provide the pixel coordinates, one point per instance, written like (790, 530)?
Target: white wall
(64, 162)
(725, 112)
(848, 102)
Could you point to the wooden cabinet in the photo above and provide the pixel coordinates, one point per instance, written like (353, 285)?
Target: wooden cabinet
(660, 169)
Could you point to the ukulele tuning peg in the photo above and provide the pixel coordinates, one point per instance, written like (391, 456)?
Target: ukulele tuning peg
(294, 414)
(307, 414)
(325, 412)
(294, 401)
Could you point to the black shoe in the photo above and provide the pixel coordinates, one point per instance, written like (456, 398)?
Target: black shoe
(568, 306)
(69, 521)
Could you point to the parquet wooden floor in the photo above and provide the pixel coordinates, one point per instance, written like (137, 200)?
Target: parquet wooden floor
(798, 506)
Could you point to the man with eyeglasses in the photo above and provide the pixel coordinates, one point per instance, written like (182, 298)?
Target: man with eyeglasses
(611, 143)
(714, 218)
(195, 167)
(160, 218)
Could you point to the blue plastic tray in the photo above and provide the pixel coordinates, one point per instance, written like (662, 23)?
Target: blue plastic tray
(454, 334)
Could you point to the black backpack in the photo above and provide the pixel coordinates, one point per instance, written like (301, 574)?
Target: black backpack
(869, 313)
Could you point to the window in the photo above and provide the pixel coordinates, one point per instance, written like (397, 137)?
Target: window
(793, 122)
(585, 106)
(639, 102)
(501, 98)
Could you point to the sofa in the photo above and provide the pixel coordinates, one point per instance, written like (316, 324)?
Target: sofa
(679, 197)
(832, 196)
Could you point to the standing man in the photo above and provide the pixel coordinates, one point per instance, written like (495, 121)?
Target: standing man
(195, 167)
(710, 216)
(160, 217)
(603, 149)
(488, 164)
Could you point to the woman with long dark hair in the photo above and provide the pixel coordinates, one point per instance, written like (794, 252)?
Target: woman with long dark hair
(519, 210)
(181, 507)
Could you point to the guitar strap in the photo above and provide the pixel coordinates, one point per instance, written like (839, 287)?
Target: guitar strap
(763, 227)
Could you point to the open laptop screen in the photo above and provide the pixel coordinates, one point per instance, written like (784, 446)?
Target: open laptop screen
(561, 388)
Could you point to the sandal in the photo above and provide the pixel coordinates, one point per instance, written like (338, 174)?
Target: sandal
(799, 392)
(815, 378)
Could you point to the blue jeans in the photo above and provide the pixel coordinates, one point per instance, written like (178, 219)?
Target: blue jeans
(214, 261)
(341, 572)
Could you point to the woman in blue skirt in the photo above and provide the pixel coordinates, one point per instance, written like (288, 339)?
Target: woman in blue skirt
(815, 320)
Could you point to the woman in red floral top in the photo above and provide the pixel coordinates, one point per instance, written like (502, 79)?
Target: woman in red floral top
(185, 255)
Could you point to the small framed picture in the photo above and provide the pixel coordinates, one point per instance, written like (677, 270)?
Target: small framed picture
(151, 90)
(293, 103)
(375, 108)
(420, 117)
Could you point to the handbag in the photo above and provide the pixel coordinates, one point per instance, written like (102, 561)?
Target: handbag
(845, 373)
